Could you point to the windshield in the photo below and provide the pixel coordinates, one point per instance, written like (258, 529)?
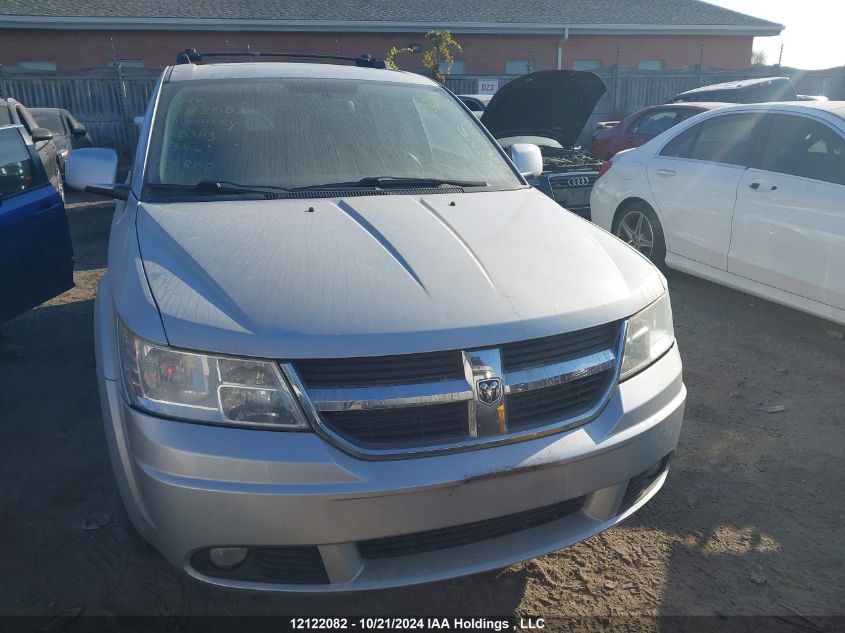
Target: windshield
(51, 120)
(293, 133)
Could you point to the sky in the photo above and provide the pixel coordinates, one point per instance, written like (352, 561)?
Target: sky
(814, 36)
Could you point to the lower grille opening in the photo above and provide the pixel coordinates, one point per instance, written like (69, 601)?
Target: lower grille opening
(467, 533)
(642, 482)
(295, 565)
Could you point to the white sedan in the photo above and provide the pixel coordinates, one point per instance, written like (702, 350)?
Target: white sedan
(749, 196)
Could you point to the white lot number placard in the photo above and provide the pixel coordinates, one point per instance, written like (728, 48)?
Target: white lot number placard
(488, 86)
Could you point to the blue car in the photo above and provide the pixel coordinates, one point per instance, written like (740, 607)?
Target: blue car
(36, 256)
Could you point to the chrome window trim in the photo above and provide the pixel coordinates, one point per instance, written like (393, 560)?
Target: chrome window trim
(536, 378)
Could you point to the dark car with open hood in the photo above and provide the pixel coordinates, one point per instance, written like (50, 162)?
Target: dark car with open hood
(550, 108)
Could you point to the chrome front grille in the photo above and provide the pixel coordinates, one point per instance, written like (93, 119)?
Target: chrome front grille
(543, 406)
(573, 180)
(380, 370)
(572, 190)
(554, 349)
(402, 427)
(399, 406)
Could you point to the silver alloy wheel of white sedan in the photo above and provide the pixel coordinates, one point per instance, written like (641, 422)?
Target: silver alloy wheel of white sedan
(635, 229)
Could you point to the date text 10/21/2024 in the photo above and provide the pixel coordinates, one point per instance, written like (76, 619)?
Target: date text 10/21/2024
(417, 624)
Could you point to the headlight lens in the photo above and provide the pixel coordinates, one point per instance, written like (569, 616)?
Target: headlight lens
(649, 335)
(206, 388)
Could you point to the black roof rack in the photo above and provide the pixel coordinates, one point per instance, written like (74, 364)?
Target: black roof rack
(193, 56)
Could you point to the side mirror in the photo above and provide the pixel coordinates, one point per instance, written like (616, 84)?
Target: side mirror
(79, 131)
(41, 134)
(527, 158)
(94, 169)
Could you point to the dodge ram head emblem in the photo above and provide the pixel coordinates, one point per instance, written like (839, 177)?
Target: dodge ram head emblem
(489, 390)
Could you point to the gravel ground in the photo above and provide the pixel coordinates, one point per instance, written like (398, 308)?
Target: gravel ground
(749, 522)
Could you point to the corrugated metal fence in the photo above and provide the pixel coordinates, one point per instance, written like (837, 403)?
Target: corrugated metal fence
(107, 100)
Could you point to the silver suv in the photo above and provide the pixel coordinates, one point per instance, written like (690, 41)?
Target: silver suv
(343, 345)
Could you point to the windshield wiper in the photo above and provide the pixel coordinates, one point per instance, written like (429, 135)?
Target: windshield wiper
(226, 186)
(380, 182)
(217, 187)
(398, 181)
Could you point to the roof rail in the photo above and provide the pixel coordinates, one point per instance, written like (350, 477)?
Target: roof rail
(193, 56)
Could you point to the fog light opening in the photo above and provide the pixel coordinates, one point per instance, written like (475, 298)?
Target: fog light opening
(655, 470)
(227, 557)
(639, 484)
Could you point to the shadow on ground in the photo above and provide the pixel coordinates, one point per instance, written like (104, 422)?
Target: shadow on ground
(755, 500)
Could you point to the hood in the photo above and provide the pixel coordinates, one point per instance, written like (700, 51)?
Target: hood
(550, 103)
(379, 275)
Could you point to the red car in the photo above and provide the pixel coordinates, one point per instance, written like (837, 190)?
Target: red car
(642, 126)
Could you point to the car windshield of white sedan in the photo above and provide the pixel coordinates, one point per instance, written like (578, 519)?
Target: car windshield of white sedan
(316, 133)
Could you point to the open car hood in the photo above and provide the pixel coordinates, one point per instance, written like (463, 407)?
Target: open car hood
(554, 104)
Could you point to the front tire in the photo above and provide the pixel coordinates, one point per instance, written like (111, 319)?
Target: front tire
(637, 225)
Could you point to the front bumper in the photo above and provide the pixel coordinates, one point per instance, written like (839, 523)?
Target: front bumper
(187, 487)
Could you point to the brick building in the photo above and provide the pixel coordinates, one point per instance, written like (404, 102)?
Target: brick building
(499, 37)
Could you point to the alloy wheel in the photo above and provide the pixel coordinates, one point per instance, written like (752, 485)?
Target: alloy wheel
(635, 229)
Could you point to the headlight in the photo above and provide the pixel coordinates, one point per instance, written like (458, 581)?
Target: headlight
(206, 388)
(649, 335)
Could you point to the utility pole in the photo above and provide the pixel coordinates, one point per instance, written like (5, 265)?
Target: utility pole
(131, 134)
(700, 65)
(615, 100)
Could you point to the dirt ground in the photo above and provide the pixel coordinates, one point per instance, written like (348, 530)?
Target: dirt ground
(749, 522)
